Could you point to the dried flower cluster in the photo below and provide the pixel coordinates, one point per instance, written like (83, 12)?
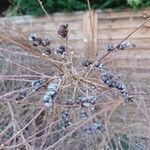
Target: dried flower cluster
(63, 30)
(114, 82)
(37, 84)
(49, 95)
(92, 128)
(60, 50)
(125, 45)
(86, 101)
(21, 95)
(37, 41)
(110, 46)
(87, 105)
(65, 120)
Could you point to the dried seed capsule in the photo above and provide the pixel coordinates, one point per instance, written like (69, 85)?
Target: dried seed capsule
(63, 30)
(60, 50)
(123, 46)
(65, 119)
(36, 41)
(83, 114)
(99, 66)
(86, 63)
(125, 96)
(108, 78)
(52, 86)
(36, 85)
(49, 95)
(110, 47)
(85, 104)
(95, 126)
(47, 51)
(21, 95)
(86, 101)
(120, 85)
(91, 99)
(89, 129)
(45, 42)
(47, 100)
(32, 37)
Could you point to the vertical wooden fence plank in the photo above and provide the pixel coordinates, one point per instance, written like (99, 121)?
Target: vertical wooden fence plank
(90, 32)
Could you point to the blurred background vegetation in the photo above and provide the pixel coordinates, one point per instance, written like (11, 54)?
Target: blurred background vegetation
(32, 7)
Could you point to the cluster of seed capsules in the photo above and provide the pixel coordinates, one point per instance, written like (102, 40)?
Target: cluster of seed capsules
(35, 86)
(114, 82)
(124, 45)
(91, 127)
(86, 101)
(65, 119)
(45, 42)
(109, 79)
(50, 93)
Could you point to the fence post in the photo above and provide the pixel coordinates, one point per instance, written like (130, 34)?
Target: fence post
(90, 32)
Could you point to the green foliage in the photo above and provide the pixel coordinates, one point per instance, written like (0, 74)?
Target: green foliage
(134, 3)
(32, 7)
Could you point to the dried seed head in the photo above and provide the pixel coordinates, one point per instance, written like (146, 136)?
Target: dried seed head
(63, 30)
(86, 101)
(123, 46)
(108, 78)
(21, 95)
(32, 37)
(47, 51)
(110, 47)
(92, 128)
(86, 63)
(125, 96)
(99, 66)
(120, 85)
(37, 84)
(83, 114)
(60, 50)
(49, 95)
(45, 42)
(65, 120)
(36, 41)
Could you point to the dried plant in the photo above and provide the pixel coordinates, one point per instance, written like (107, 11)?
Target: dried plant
(63, 105)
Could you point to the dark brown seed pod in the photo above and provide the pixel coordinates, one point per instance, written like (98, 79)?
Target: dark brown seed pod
(47, 51)
(45, 42)
(63, 30)
(36, 41)
(21, 95)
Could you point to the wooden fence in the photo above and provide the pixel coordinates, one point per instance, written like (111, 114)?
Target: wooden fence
(88, 40)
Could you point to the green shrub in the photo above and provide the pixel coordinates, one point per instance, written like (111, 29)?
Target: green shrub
(32, 7)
